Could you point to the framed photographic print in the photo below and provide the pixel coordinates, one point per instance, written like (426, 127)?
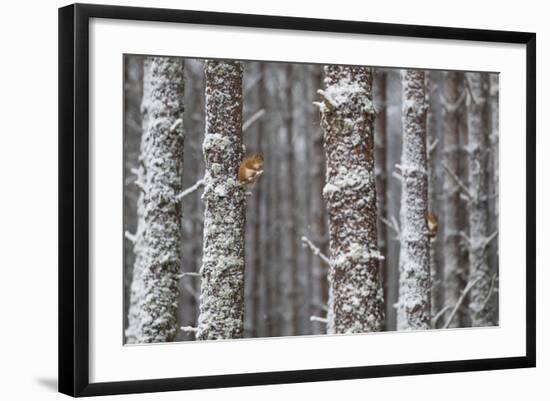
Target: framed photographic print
(249, 199)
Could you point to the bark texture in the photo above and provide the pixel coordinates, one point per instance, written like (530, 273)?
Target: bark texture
(482, 311)
(222, 272)
(414, 261)
(154, 298)
(356, 296)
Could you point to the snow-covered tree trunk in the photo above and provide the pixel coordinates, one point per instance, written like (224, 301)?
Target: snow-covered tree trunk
(222, 272)
(452, 92)
(347, 112)
(380, 133)
(155, 287)
(414, 260)
(481, 307)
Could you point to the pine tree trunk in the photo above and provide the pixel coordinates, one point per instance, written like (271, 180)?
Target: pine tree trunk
(452, 273)
(414, 260)
(350, 192)
(155, 287)
(222, 272)
(481, 305)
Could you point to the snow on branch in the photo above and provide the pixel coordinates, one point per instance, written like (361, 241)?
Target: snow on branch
(459, 182)
(191, 189)
(176, 124)
(318, 319)
(189, 329)
(130, 237)
(255, 117)
(140, 185)
(315, 250)
(189, 274)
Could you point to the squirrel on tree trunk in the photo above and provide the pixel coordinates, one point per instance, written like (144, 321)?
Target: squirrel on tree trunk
(251, 168)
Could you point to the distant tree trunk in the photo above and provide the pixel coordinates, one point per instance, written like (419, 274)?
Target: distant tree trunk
(222, 272)
(320, 282)
(380, 134)
(133, 75)
(481, 307)
(414, 261)
(494, 167)
(193, 170)
(274, 176)
(290, 313)
(136, 290)
(453, 270)
(347, 117)
(434, 143)
(155, 288)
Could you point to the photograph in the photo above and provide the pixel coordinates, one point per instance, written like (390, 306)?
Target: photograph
(271, 199)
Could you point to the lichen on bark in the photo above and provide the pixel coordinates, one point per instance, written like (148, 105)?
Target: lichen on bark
(413, 307)
(222, 285)
(155, 280)
(347, 115)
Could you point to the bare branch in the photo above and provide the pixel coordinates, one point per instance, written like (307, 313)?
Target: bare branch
(465, 292)
(396, 224)
(255, 117)
(491, 289)
(391, 224)
(454, 105)
(439, 314)
(432, 146)
(465, 238)
(397, 175)
(489, 239)
(459, 182)
(315, 250)
(191, 189)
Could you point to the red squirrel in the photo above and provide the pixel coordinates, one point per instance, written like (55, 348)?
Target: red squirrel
(431, 219)
(251, 168)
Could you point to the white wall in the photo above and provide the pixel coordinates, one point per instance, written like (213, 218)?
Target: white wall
(28, 199)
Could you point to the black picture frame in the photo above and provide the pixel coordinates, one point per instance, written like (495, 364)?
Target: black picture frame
(74, 201)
